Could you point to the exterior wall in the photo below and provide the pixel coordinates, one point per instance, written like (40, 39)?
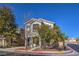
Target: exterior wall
(3, 43)
(37, 22)
(73, 41)
(49, 24)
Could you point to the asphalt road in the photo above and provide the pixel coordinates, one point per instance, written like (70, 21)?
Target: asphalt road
(5, 53)
(74, 46)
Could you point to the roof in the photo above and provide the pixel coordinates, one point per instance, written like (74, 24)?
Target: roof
(39, 20)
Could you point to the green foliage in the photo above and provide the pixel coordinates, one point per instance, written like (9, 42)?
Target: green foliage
(7, 24)
(45, 34)
(58, 36)
(50, 35)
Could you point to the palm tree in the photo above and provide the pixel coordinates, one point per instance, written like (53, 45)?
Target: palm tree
(55, 32)
(58, 36)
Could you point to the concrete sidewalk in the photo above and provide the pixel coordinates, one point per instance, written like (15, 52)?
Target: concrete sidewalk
(73, 53)
(49, 53)
(13, 49)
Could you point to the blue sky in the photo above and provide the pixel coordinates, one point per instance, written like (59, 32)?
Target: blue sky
(65, 15)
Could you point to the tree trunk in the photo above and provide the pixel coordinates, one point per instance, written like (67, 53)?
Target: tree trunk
(64, 47)
(40, 42)
(3, 41)
(11, 42)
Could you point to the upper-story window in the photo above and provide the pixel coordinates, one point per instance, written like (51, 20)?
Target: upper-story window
(28, 28)
(35, 27)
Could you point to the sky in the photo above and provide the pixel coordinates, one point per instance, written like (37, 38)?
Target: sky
(66, 16)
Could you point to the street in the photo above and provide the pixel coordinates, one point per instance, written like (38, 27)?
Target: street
(4, 53)
(10, 52)
(74, 46)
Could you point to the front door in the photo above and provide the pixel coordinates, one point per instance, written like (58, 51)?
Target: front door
(35, 41)
(28, 41)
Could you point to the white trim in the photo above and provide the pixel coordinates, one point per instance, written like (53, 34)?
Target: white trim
(40, 19)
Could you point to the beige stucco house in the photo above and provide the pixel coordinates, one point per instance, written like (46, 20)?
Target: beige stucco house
(72, 41)
(30, 31)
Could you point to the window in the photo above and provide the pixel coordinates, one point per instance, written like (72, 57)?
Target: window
(28, 28)
(35, 26)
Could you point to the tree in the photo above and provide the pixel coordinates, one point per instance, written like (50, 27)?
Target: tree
(58, 36)
(51, 36)
(64, 38)
(45, 34)
(20, 37)
(7, 24)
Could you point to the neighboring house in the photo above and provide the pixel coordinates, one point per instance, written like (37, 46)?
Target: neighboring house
(19, 41)
(72, 40)
(2, 41)
(30, 30)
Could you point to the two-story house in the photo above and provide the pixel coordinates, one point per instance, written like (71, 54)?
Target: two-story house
(30, 32)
